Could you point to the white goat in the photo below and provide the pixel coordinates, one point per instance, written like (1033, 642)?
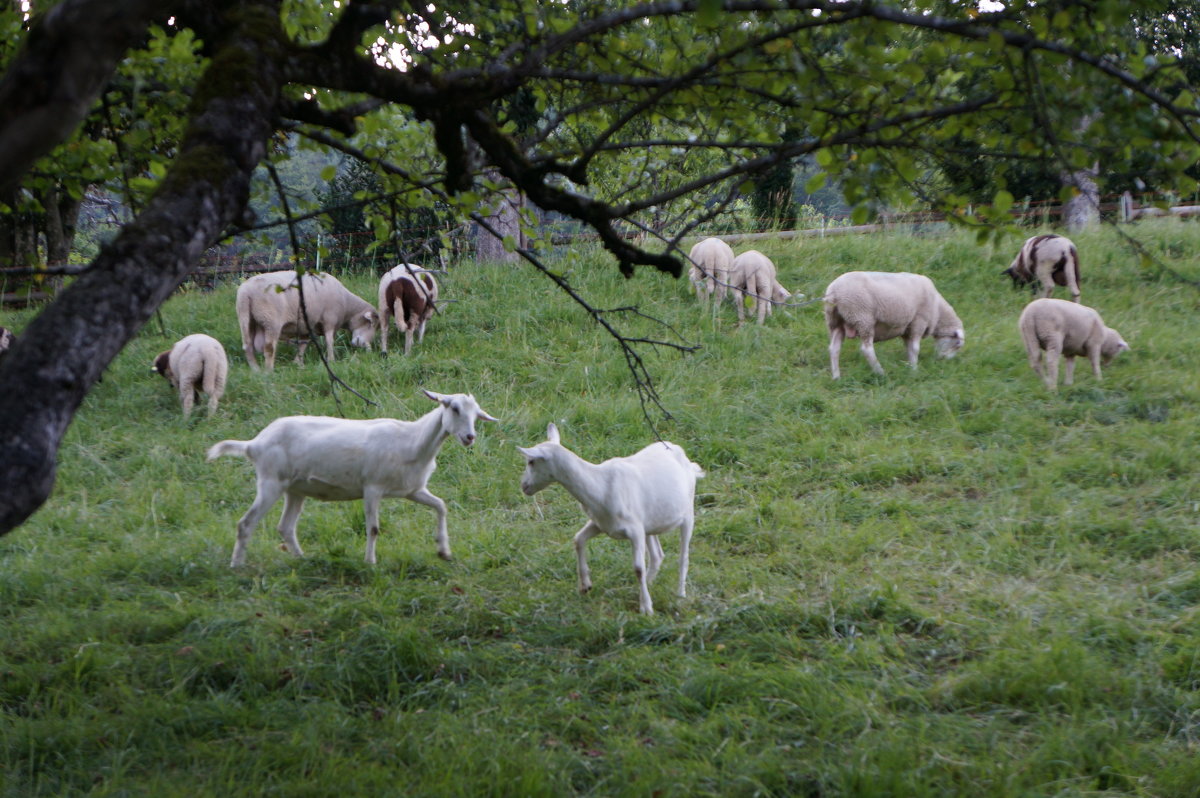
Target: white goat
(337, 459)
(409, 293)
(634, 498)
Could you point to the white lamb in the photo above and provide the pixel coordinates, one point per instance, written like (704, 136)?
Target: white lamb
(1054, 328)
(753, 274)
(877, 306)
(194, 364)
(337, 459)
(633, 498)
(711, 261)
(268, 308)
(409, 293)
(1049, 259)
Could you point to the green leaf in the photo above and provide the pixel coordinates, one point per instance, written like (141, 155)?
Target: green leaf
(329, 173)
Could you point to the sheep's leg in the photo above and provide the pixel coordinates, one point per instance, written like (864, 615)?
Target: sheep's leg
(589, 531)
(248, 351)
(868, 350)
(269, 346)
(423, 496)
(268, 493)
(329, 343)
(301, 348)
(408, 340)
(685, 542)
(1050, 368)
(913, 344)
(836, 336)
(421, 331)
(655, 550)
(1069, 370)
(638, 539)
(1094, 356)
(371, 498)
(187, 397)
(293, 503)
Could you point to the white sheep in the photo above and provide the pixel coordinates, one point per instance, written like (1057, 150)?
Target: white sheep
(634, 498)
(268, 308)
(6, 339)
(753, 274)
(409, 293)
(195, 363)
(1049, 259)
(878, 306)
(1054, 328)
(711, 261)
(337, 459)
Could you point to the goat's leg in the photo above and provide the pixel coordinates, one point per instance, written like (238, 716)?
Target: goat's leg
(371, 499)
(268, 493)
(589, 531)
(293, 503)
(655, 551)
(423, 496)
(638, 539)
(685, 542)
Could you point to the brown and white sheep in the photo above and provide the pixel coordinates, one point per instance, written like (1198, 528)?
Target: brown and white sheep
(268, 308)
(711, 261)
(753, 274)
(878, 306)
(194, 364)
(409, 293)
(1054, 329)
(1050, 260)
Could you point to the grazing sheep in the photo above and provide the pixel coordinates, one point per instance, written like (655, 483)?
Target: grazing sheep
(194, 364)
(268, 308)
(633, 498)
(1054, 328)
(6, 339)
(337, 459)
(410, 294)
(1050, 260)
(711, 261)
(877, 306)
(753, 274)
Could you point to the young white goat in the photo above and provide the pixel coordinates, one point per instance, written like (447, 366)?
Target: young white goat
(337, 459)
(634, 498)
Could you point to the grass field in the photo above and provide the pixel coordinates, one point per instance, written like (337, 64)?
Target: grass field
(940, 582)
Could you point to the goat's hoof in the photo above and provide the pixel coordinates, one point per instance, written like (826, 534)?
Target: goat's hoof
(584, 589)
(445, 555)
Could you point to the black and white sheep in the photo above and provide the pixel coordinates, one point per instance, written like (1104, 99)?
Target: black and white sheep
(1049, 260)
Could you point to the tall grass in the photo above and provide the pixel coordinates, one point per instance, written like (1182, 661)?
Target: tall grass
(927, 583)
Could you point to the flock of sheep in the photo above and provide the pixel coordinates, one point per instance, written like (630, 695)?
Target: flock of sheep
(879, 306)
(635, 498)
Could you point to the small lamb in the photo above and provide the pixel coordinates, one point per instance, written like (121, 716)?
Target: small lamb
(753, 274)
(1050, 260)
(6, 339)
(711, 261)
(194, 364)
(409, 293)
(338, 459)
(878, 306)
(634, 498)
(1054, 328)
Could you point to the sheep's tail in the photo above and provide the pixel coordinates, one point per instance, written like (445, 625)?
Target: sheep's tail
(231, 448)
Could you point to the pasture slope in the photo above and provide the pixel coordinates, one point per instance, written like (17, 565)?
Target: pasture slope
(937, 582)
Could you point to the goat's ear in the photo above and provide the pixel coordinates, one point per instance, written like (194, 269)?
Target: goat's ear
(552, 432)
(485, 417)
(529, 454)
(437, 397)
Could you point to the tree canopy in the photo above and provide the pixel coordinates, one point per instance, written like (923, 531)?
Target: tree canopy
(627, 115)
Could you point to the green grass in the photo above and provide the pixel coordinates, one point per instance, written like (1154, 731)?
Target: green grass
(938, 582)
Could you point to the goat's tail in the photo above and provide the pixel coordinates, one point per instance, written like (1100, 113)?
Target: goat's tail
(233, 448)
(697, 470)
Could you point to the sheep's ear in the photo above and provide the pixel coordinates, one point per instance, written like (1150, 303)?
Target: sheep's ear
(552, 432)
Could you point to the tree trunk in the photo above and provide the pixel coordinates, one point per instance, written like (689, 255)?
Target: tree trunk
(1083, 210)
(61, 354)
(505, 219)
